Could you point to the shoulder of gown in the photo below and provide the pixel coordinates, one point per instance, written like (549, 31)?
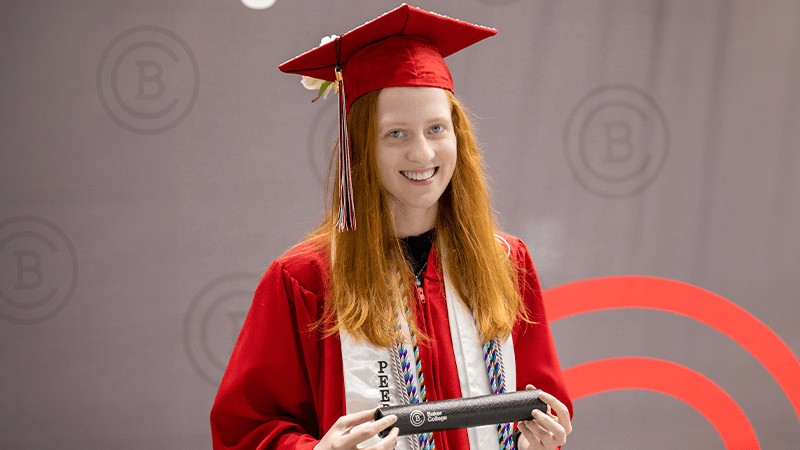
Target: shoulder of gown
(307, 266)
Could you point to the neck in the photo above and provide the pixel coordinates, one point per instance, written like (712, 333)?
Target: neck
(413, 221)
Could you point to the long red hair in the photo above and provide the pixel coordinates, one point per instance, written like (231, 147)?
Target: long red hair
(369, 274)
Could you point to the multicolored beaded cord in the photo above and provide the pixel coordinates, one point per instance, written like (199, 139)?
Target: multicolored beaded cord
(493, 357)
(425, 439)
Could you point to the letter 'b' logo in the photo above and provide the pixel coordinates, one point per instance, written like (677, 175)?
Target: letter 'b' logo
(616, 141)
(417, 418)
(148, 80)
(38, 270)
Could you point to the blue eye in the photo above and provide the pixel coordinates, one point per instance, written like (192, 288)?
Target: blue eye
(396, 133)
(436, 129)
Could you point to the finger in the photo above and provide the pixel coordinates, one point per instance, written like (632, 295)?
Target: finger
(554, 429)
(560, 410)
(533, 433)
(390, 441)
(531, 387)
(349, 421)
(366, 431)
(537, 429)
(545, 438)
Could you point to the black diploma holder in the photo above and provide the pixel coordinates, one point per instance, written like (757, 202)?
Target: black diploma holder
(457, 413)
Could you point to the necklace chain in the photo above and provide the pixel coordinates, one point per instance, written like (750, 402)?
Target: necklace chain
(418, 276)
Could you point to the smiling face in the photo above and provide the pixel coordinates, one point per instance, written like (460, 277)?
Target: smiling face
(416, 153)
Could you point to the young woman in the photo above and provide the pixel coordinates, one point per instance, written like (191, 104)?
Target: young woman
(406, 293)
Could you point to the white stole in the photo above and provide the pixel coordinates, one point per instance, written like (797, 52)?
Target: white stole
(368, 380)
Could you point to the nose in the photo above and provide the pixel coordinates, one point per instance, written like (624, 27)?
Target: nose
(421, 150)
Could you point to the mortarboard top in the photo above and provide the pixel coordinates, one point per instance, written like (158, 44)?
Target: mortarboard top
(403, 47)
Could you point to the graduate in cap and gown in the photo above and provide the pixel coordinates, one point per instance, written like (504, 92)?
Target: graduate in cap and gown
(407, 292)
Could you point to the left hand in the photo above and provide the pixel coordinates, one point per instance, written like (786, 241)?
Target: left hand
(546, 430)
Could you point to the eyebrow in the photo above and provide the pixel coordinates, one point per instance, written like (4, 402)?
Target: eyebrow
(389, 123)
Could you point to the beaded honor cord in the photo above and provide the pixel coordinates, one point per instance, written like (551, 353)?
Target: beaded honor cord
(493, 357)
(425, 439)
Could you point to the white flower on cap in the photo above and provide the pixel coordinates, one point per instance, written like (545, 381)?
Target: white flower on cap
(315, 84)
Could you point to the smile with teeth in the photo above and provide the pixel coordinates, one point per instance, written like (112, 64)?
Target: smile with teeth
(419, 175)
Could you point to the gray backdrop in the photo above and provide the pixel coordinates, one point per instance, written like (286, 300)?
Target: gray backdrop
(155, 161)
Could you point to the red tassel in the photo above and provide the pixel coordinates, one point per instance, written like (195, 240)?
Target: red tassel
(347, 211)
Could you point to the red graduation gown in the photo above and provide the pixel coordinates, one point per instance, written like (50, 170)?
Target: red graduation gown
(283, 387)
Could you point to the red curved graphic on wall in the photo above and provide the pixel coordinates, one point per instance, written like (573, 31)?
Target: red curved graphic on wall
(687, 300)
(671, 379)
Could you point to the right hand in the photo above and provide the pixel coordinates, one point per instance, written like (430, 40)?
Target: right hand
(339, 437)
(546, 431)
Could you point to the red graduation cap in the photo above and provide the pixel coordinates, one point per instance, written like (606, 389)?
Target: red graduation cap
(404, 47)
